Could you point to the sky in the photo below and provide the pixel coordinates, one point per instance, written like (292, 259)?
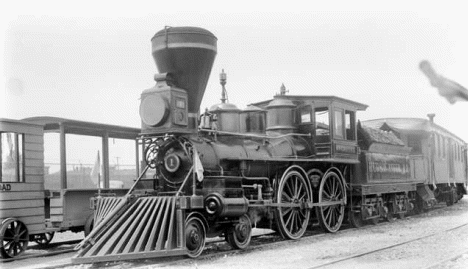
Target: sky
(91, 60)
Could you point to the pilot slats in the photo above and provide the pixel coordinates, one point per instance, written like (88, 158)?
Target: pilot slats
(104, 206)
(149, 227)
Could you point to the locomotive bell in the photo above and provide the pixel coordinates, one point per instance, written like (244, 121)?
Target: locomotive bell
(184, 57)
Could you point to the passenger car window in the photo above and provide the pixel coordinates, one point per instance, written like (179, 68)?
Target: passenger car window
(84, 164)
(122, 163)
(12, 157)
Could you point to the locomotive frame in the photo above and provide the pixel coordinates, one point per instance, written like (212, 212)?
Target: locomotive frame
(225, 171)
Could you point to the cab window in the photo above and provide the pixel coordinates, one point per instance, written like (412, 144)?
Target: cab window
(305, 115)
(322, 121)
(338, 124)
(350, 125)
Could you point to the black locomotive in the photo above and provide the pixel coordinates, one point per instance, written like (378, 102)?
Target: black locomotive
(277, 164)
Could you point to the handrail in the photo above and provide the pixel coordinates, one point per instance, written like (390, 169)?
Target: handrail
(253, 135)
(138, 180)
(185, 180)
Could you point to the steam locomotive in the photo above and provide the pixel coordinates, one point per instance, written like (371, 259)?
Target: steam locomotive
(277, 164)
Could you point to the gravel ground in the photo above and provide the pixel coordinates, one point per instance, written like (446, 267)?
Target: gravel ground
(318, 250)
(438, 249)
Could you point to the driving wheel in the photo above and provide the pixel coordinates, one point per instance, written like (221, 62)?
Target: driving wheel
(332, 197)
(291, 215)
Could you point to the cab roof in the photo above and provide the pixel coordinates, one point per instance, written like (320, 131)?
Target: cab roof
(314, 98)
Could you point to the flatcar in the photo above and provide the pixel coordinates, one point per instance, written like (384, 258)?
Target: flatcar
(41, 191)
(277, 164)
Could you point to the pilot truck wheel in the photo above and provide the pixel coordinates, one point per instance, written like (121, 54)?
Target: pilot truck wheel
(195, 236)
(239, 236)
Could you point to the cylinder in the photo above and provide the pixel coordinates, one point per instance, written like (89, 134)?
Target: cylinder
(217, 205)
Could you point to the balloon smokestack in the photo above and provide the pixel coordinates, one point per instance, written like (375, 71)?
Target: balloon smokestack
(187, 53)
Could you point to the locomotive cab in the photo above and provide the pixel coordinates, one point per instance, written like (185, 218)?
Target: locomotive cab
(329, 120)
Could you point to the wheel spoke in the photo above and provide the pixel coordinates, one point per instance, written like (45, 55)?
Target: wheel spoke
(7, 245)
(325, 193)
(333, 217)
(327, 215)
(299, 191)
(22, 232)
(288, 189)
(333, 186)
(289, 218)
(293, 222)
(286, 211)
(288, 198)
(296, 187)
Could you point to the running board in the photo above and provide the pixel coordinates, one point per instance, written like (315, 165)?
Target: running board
(146, 227)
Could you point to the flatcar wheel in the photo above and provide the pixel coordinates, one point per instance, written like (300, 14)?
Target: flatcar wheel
(333, 195)
(355, 215)
(15, 238)
(89, 224)
(374, 221)
(43, 239)
(389, 214)
(239, 236)
(292, 217)
(195, 236)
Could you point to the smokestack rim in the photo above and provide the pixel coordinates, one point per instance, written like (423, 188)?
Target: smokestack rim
(189, 30)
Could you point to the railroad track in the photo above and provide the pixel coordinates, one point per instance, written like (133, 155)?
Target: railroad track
(50, 247)
(217, 249)
(448, 260)
(254, 247)
(337, 262)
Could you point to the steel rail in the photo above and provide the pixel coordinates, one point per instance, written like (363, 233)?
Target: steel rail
(444, 261)
(46, 254)
(387, 247)
(315, 233)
